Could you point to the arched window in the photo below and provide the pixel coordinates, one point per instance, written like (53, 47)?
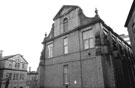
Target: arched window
(65, 24)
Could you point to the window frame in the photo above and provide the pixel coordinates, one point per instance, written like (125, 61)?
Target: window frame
(50, 50)
(65, 46)
(17, 76)
(66, 74)
(23, 65)
(65, 24)
(10, 76)
(14, 77)
(88, 39)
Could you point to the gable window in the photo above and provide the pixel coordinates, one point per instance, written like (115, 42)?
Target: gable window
(65, 24)
(66, 45)
(88, 40)
(17, 64)
(50, 50)
(10, 65)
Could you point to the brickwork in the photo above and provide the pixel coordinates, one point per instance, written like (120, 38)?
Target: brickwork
(101, 66)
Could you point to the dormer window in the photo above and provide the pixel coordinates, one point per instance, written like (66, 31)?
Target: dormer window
(65, 24)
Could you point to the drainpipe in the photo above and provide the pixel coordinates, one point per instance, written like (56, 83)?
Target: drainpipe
(80, 60)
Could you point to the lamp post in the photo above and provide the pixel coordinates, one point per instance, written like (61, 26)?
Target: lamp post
(6, 81)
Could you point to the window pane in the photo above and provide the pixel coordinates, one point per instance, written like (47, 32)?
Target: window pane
(10, 76)
(86, 44)
(65, 49)
(22, 65)
(66, 69)
(87, 34)
(65, 45)
(66, 74)
(65, 25)
(50, 50)
(91, 43)
(14, 77)
(65, 41)
(18, 65)
(20, 76)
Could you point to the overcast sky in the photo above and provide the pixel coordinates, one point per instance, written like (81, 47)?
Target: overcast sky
(23, 23)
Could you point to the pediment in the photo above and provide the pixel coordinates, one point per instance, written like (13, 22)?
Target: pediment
(18, 58)
(64, 10)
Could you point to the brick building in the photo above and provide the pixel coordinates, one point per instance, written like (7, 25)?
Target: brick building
(83, 52)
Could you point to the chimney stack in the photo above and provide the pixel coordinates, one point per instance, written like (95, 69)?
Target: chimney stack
(1, 54)
(29, 69)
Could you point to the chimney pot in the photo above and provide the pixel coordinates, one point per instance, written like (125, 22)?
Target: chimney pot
(1, 54)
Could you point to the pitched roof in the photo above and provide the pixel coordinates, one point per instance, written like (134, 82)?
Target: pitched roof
(7, 57)
(130, 13)
(63, 7)
(10, 56)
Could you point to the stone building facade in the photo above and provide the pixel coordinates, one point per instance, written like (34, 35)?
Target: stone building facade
(13, 71)
(130, 24)
(83, 52)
